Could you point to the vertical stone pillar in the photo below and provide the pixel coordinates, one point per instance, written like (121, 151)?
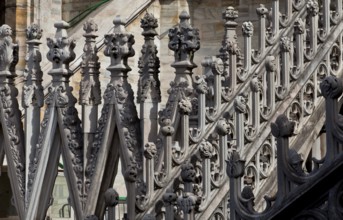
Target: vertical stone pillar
(90, 93)
(229, 50)
(149, 94)
(33, 96)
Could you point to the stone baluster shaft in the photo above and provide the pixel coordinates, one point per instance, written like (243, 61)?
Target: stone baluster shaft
(240, 108)
(289, 9)
(270, 74)
(275, 18)
(232, 71)
(167, 131)
(256, 90)
(299, 29)
(285, 69)
(247, 29)
(326, 17)
(202, 89)
(262, 13)
(312, 10)
(206, 152)
(149, 153)
(339, 8)
(223, 129)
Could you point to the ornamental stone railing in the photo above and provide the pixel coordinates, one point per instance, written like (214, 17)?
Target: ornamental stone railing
(173, 159)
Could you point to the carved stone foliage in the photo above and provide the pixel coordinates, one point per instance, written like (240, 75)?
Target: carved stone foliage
(149, 63)
(247, 29)
(10, 116)
(119, 45)
(33, 89)
(61, 51)
(90, 93)
(9, 113)
(184, 40)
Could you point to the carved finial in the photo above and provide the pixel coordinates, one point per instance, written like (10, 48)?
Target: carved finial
(230, 14)
(223, 127)
(150, 150)
(255, 84)
(61, 51)
(299, 26)
(285, 44)
(188, 173)
(34, 32)
(167, 129)
(282, 127)
(331, 87)
(33, 90)
(119, 46)
(262, 11)
(184, 40)
(270, 64)
(8, 51)
(232, 47)
(111, 197)
(185, 106)
(5, 31)
(130, 173)
(312, 7)
(90, 93)
(217, 66)
(206, 149)
(149, 23)
(90, 27)
(235, 166)
(200, 84)
(149, 63)
(247, 29)
(240, 104)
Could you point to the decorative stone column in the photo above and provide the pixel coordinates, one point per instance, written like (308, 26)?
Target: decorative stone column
(228, 51)
(10, 117)
(262, 13)
(188, 201)
(90, 93)
(240, 107)
(33, 96)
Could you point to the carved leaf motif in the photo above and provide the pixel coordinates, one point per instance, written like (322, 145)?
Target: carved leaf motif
(247, 29)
